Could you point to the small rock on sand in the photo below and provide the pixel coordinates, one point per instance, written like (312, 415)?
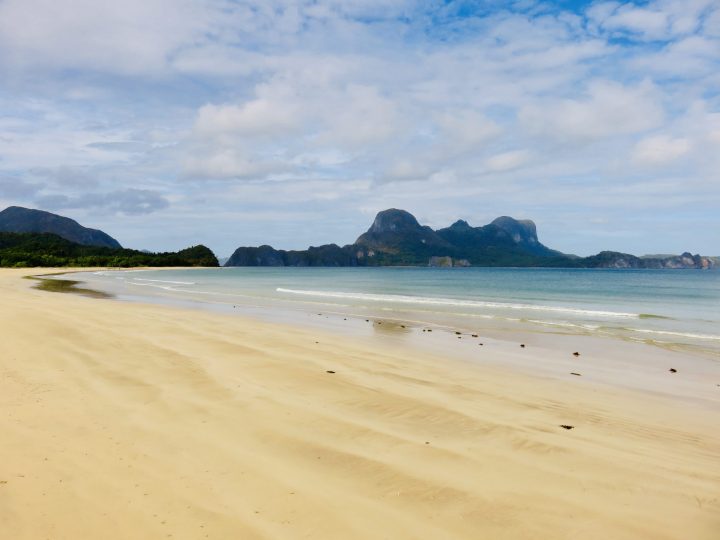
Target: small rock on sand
(565, 426)
(576, 353)
(673, 370)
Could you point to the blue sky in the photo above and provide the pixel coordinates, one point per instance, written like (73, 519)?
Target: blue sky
(174, 122)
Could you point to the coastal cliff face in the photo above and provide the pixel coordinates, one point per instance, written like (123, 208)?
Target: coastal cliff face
(448, 262)
(504, 234)
(396, 238)
(400, 238)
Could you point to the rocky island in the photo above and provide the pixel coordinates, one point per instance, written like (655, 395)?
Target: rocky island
(395, 238)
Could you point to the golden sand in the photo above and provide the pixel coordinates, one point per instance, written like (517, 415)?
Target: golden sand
(130, 421)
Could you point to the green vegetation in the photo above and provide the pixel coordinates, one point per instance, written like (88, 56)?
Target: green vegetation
(25, 250)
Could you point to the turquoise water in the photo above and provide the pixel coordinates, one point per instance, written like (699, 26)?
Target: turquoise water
(667, 307)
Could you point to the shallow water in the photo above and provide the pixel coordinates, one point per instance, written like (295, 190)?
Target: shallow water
(673, 308)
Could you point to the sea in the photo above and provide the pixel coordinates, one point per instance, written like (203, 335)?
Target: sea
(676, 309)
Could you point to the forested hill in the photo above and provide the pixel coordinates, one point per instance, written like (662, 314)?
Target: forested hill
(49, 250)
(16, 219)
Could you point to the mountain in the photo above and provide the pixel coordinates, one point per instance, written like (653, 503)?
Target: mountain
(505, 236)
(397, 233)
(44, 249)
(395, 238)
(16, 219)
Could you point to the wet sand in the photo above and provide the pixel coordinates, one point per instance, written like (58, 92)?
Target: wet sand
(124, 420)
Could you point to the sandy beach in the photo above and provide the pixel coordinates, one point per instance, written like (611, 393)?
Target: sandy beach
(134, 421)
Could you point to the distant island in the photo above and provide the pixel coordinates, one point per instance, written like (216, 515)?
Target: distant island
(395, 238)
(30, 238)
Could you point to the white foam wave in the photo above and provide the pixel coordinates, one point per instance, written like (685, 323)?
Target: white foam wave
(166, 281)
(402, 299)
(566, 324)
(679, 334)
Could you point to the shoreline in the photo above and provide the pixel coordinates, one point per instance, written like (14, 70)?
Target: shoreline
(127, 420)
(434, 311)
(635, 365)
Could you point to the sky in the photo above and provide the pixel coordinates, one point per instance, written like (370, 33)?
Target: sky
(168, 123)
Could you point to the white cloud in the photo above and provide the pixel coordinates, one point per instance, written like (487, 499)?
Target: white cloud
(466, 130)
(660, 149)
(655, 20)
(694, 56)
(608, 109)
(358, 116)
(130, 202)
(648, 22)
(224, 163)
(711, 24)
(131, 37)
(260, 117)
(288, 103)
(407, 169)
(507, 160)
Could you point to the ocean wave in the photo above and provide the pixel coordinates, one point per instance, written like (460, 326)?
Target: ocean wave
(679, 334)
(565, 324)
(165, 281)
(402, 299)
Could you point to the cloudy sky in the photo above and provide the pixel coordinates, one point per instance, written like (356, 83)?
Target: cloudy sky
(292, 122)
